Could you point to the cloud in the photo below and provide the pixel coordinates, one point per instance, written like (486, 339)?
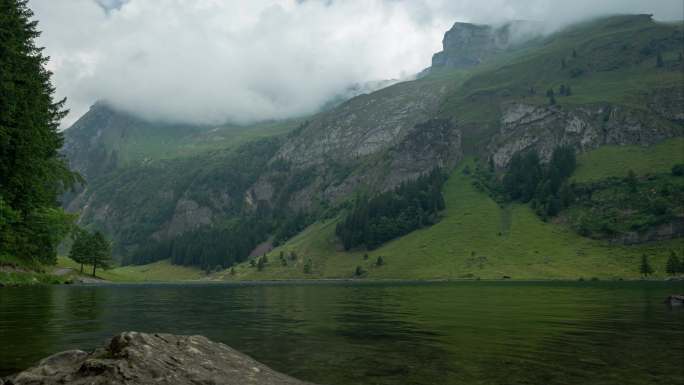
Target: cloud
(212, 61)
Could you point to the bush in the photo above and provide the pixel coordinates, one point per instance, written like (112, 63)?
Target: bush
(678, 170)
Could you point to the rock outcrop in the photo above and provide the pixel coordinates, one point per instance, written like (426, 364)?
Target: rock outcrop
(466, 45)
(136, 358)
(543, 128)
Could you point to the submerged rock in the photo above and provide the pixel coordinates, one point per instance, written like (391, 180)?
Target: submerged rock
(137, 358)
(675, 300)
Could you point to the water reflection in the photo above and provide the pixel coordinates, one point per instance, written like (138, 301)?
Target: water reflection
(339, 334)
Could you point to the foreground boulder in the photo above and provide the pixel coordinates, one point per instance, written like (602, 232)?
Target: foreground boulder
(136, 358)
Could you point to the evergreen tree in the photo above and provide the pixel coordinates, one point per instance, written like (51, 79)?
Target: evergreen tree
(673, 265)
(631, 181)
(645, 268)
(100, 251)
(659, 60)
(380, 261)
(308, 266)
(32, 172)
(81, 247)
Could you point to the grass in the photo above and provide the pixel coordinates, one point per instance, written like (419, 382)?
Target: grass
(162, 271)
(475, 239)
(616, 161)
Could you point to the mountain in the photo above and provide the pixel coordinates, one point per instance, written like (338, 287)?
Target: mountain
(213, 196)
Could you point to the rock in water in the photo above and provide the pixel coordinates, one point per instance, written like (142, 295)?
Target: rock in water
(133, 358)
(675, 300)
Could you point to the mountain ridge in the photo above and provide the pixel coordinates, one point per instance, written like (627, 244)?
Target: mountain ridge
(374, 142)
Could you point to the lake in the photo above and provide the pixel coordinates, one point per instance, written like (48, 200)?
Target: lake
(378, 333)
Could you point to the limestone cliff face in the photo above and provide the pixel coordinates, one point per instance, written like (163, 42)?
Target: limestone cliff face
(466, 45)
(543, 128)
(376, 141)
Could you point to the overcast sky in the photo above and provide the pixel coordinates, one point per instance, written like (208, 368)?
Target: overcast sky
(211, 61)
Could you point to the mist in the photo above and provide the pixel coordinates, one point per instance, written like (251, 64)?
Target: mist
(211, 61)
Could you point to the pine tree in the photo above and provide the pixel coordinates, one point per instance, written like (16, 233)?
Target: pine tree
(672, 267)
(659, 60)
(80, 248)
(631, 181)
(645, 268)
(100, 251)
(32, 172)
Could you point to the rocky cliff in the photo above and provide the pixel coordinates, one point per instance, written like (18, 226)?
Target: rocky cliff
(141, 359)
(466, 45)
(543, 128)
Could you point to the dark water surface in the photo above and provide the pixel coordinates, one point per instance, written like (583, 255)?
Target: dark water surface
(379, 333)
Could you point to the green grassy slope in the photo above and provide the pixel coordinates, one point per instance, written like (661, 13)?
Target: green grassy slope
(478, 238)
(161, 271)
(616, 161)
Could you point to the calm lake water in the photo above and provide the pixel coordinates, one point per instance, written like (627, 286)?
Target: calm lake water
(378, 333)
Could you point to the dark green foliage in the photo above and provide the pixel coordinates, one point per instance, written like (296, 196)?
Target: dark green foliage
(565, 90)
(207, 246)
(574, 53)
(380, 261)
(308, 266)
(678, 170)
(32, 172)
(261, 263)
(631, 181)
(674, 264)
(528, 181)
(100, 251)
(645, 267)
(291, 226)
(659, 60)
(615, 206)
(80, 248)
(413, 205)
(359, 271)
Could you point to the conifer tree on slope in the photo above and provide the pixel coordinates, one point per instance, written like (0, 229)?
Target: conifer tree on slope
(32, 172)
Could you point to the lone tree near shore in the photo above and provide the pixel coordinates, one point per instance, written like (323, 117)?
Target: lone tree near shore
(79, 249)
(645, 269)
(100, 251)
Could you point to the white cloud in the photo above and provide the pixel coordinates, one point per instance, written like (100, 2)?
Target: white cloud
(210, 61)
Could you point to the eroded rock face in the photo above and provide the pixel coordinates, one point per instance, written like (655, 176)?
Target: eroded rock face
(466, 45)
(136, 358)
(543, 128)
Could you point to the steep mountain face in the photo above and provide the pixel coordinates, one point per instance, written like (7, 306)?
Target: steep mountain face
(141, 190)
(543, 128)
(466, 45)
